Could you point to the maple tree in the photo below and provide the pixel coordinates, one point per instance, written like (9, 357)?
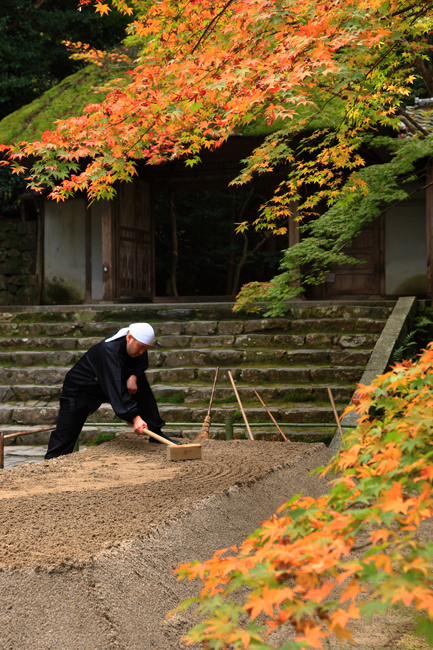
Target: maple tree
(318, 564)
(315, 74)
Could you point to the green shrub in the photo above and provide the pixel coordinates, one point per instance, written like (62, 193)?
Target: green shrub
(417, 339)
(103, 437)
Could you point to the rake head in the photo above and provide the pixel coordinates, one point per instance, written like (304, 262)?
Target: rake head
(204, 433)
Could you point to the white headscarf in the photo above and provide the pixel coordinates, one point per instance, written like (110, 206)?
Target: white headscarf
(142, 332)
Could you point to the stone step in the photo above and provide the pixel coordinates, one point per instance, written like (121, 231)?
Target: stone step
(187, 393)
(200, 357)
(32, 415)
(190, 312)
(172, 342)
(283, 326)
(290, 361)
(52, 375)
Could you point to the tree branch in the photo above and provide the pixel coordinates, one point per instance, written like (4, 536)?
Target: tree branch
(426, 74)
(211, 24)
(23, 17)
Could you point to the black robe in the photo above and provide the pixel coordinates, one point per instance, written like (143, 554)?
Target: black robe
(101, 375)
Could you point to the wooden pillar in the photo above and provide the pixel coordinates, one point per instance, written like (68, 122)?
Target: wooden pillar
(108, 248)
(88, 253)
(40, 250)
(382, 255)
(294, 236)
(174, 247)
(429, 227)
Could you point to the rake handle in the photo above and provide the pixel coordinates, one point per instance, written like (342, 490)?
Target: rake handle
(337, 419)
(240, 406)
(270, 415)
(213, 391)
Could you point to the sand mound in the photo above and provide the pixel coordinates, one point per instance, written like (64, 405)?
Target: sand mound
(90, 541)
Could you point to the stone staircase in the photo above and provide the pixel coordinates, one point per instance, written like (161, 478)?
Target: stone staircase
(289, 361)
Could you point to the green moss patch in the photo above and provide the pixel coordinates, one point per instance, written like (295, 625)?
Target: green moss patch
(65, 100)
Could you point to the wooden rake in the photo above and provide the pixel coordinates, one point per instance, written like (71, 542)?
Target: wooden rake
(270, 414)
(250, 435)
(204, 433)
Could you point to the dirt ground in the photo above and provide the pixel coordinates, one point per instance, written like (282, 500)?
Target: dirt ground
(68, 510)
(89, 541)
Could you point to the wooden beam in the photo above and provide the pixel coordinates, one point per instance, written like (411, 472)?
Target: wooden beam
(108, 270)
(294, 236)
(382, 255)
(40, 250)
(88, 253)
(429, 227)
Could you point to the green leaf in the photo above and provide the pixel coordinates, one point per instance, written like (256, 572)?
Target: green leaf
(373, 607)
(425, 628)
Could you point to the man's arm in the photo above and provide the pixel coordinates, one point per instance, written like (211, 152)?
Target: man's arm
(131, 384)
(139, 425)
(114, 384)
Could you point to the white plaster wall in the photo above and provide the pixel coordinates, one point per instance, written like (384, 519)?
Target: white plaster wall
(406, 251)
(64, 246)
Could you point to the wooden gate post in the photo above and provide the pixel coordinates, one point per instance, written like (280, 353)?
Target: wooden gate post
(108, 270)
(429, 227)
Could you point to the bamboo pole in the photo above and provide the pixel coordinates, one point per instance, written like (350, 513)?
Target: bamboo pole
(337, 419)
(290, 425)
(240, 406)
(25, 433)
(270, 415)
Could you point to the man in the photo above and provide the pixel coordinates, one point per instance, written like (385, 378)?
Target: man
(111, 371)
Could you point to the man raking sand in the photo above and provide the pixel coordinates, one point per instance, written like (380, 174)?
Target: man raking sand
(112, 371)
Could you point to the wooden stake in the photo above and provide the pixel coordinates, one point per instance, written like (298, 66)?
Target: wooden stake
(337, 419)
(270, 415)
(240, 406)
(15, 435)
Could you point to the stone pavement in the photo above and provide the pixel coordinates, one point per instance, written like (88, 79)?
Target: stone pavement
(20, 454)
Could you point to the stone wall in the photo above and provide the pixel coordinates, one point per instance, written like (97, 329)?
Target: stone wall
(18, 243)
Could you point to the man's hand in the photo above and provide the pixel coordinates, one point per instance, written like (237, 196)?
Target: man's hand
(131, 384)
(139, 425)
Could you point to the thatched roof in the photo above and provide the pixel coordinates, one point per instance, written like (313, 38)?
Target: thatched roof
(70, 96)
(65, 100)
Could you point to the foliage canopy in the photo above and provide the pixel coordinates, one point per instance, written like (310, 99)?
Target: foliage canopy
(320, 74)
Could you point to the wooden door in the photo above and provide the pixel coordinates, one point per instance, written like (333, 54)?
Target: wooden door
(362, 279)
(133, 242)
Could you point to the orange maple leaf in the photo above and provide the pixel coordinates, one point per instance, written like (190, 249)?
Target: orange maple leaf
(351, 591)
(312, 635)
(394, 500)
(101, 8)
(349, 456)
(342, 633)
